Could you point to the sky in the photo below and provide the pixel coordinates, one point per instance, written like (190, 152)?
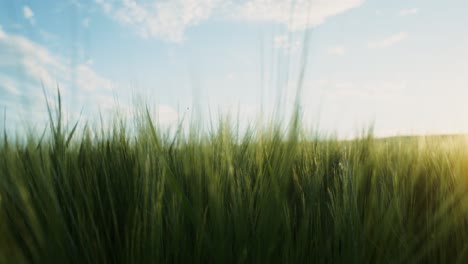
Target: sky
(399, 65)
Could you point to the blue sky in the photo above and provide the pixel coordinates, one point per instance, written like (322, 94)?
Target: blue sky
(401, 64)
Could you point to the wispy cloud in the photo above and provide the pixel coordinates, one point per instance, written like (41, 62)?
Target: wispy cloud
(389, 41)
(296, 15)
(28, 14)
(169, 20)
(86, 22)
(408, 12)
(40, 65)
(337, 50)
(381, 90)
(36, 66)
(286, 44)
(163, 19)
(47, 36)
(9, 85)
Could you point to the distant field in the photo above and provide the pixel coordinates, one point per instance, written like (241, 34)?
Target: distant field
(260, 197)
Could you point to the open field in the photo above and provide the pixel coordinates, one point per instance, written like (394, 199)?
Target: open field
(267, 196)
(233, 131)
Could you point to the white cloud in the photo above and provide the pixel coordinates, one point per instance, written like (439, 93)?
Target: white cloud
(167, 114)
(287, 44)
(408, 12)
(389, 41)
(34, 66)
(80, 86)
(9, 85)
(296, 15)
(337, 50)
(76, 3)
(47, 36)
(35, 61)
(381, 90)
(40, 65)
(170, 19)
(106, 6)
(86, 22)
(345, 89)
(231, 76)
(28, 14)
(163, 19)
(281, 41)
(89, 80)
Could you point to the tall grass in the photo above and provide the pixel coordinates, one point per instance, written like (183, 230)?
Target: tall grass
(263, 196)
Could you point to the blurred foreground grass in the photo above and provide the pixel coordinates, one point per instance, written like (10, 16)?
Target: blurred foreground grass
(266, 196)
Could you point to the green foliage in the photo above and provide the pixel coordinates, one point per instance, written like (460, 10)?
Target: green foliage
(260, 197)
